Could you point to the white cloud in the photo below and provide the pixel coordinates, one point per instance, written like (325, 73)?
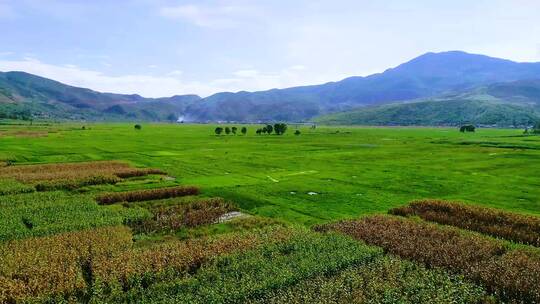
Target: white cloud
(169, 84)
(215, 16)
(145, 85)
(175, 73)
(246, 73)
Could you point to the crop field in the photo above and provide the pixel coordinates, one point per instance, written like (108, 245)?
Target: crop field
(177, 214)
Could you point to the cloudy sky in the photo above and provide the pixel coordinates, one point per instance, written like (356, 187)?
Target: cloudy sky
(161, 48)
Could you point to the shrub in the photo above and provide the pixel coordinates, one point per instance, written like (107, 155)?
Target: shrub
(227, 130)
(297, 132)
(137, 127)
(145, 195)
(244, 130)
(233, 130)
(508, 225)
(218, 130)
(512, 275)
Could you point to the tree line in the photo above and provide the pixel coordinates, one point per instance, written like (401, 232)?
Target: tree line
(229, 130)
(277, 129)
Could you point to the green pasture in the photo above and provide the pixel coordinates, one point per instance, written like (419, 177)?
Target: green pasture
(323, 174)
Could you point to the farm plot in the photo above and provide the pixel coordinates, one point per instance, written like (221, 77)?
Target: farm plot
(73, 175)
(498, 223)
(46, 213)
(105, 232)
(103, 262)
(510, 274)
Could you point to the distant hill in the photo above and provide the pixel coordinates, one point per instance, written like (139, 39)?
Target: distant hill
(501, 104)
(26, 93)
(429, 75)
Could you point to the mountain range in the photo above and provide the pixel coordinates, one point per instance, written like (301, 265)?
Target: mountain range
(445, 88)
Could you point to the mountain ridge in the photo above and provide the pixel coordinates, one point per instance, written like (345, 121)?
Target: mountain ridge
(427, 75)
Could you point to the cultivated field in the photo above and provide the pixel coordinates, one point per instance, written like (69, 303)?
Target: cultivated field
(174, 213)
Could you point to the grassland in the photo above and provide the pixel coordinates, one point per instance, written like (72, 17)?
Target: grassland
(111, 214)
(353, 170)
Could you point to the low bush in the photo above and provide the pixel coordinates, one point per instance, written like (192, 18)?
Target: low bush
(498, 223)
(192, 214)
(385, 280)
(512, 275)
(145, 195)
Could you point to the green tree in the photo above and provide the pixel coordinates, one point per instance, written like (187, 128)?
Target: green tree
(218, 130)
(227, 130)
(297, 132)
(269, 129)
(138, 127)
(233, 129)
(244, 130)
(280, 128)
(259, 131)
(467, 128)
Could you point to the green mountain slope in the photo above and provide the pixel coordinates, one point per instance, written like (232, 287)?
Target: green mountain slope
(23, 95)
(428, 75)
(502, 104)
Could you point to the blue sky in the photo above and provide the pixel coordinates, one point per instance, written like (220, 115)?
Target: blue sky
(161, 48)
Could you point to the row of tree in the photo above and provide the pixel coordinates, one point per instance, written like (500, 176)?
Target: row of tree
(278, 129)
(229, 130)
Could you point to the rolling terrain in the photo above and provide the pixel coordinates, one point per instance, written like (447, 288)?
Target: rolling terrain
(510, 104)
(432, 76)
(25, 95)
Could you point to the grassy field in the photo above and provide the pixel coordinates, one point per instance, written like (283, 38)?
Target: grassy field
(174, 213)
(349, 171)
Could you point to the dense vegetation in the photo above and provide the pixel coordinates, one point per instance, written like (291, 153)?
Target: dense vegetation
(241, 233)
(511, 274)
(496, 97)
(498, 223)
(452, 112)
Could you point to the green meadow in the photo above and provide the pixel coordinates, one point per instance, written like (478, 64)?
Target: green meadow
(324, 174)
